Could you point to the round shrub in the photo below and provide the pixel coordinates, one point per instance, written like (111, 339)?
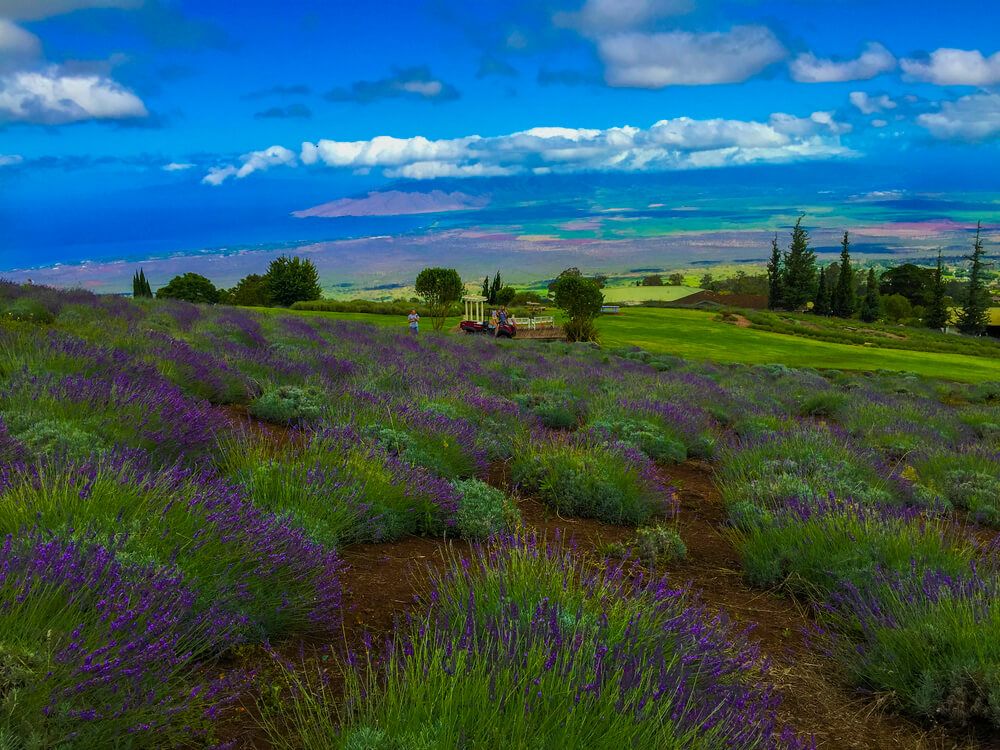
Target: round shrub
(57, 437)
(28, 311)
(483, 511)
(652, 545)
(288, 404)
(646, 437)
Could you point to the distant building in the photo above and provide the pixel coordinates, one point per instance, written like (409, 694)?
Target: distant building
(706, 300)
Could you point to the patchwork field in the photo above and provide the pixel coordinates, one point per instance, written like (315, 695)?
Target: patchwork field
(230, 528)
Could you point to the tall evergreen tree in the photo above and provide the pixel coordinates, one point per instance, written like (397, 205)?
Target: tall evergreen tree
(821, 305)
(775, 274)
(843, 302)
(871, 305)
(937, 314)
(975, 315)
(800, 269)
(140, 286)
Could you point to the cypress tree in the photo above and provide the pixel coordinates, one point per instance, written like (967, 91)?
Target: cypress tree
(821, 305)
(775, 274)
(800, 269)
(140, 287)
(937, 310)
(975, 315)
(871, 305)
(843, 303)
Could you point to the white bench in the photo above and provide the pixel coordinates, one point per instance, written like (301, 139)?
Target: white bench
(526, 322)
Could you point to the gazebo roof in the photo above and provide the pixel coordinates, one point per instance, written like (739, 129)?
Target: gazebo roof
(473, 298)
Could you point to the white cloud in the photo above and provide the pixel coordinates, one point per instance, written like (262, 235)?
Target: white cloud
(7, 160)
(879, 123)
(255, 161)
(52, 97)
(873, 61)
(681, 58)
(679, 143)
(175, 166)
(869, 105)
(17, 46)
(955, 67)
(598, 17)
(971, 118)
(34, 10)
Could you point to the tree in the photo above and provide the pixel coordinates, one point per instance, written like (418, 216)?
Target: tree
(975, 315)
(290, 280)
(938, 315)
(897, 308)
(821, 304)
(600, 279)
(910, 280)
(775, 278)
(441, 288)
(140, 286)
(800, 269)
(251, 291)
(676, 279)
(571, 271)
(490, 291)
(707, 282)
(842, 303)
(871, 305)
(506, 295)
(190, 287)
(581, 300)
(654, 279)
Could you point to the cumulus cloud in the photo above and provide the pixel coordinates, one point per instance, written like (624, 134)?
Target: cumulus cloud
(679, 143)
(7, 160)
(598, 17)
(17, 46)
(176, 166)
(34, 10)
(292, 111)
(681, 58)
(971, 118)
(873, 61)
(955, 67)
(415, 83)
(52, 97)
(869, 105)
(255, 161)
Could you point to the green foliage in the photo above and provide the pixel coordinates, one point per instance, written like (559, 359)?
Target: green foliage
(506, 295)
(938, 314)
(190, 287)
(484, 511)
(822, 304)
(842, 303)
(799, 275)
(288, 404)
(439, 453)
(557, 409)
(441, 288)
(27, 310)
(975, 314)
(897, 307)
(61, 438)
(581, 300)
(251, 291)
(871, 305)
(652, 545)
(591, 482)
(676, 279)
(823, 404)
(654, 279)
(140, 286)
(646, 436)
(775, 278)
(290, 280)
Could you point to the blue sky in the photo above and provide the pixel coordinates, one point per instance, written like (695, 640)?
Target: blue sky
(112, 103)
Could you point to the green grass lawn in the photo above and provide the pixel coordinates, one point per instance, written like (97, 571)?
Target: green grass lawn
(632, 293)
(696, 335)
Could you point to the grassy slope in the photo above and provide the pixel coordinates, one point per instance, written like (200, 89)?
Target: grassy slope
(634, 293)
(695, 335)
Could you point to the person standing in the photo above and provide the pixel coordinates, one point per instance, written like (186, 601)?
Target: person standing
(414, 321)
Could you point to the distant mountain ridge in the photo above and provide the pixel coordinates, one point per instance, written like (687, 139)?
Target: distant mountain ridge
(396, 203)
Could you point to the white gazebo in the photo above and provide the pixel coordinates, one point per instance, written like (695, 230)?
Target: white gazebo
(474, 307)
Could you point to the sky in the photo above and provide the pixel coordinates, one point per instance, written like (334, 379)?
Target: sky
(122, 119)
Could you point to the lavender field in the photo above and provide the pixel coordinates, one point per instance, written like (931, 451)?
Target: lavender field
(228, 529)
